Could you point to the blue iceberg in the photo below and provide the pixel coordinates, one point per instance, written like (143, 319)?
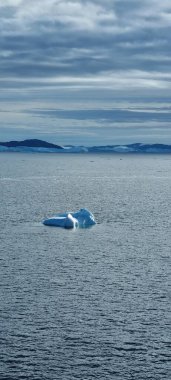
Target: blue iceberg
(82, 219)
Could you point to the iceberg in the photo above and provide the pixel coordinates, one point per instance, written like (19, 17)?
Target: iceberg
(82, 219)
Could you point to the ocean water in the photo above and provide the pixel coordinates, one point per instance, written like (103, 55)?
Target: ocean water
(93, 303)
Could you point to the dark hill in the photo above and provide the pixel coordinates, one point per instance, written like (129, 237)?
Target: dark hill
(33, 143)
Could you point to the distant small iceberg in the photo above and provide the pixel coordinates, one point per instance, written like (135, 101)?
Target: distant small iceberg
(79, 219)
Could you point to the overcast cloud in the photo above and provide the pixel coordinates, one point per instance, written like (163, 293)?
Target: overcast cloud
(98, 51)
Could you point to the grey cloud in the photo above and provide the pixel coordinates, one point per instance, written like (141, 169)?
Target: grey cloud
(121, 115)
(45, 38)
(97, 49)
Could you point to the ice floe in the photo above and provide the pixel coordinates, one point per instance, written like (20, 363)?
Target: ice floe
(82, 219)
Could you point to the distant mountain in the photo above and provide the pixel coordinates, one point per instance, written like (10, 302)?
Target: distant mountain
(133, 148)
(35, 145)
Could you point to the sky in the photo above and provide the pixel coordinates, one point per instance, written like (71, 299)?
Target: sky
(79, 72)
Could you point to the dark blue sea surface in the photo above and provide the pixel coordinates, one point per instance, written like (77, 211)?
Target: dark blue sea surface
(93, 303)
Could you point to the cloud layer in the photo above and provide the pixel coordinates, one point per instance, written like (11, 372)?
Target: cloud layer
(50, 47)
(90, 40)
